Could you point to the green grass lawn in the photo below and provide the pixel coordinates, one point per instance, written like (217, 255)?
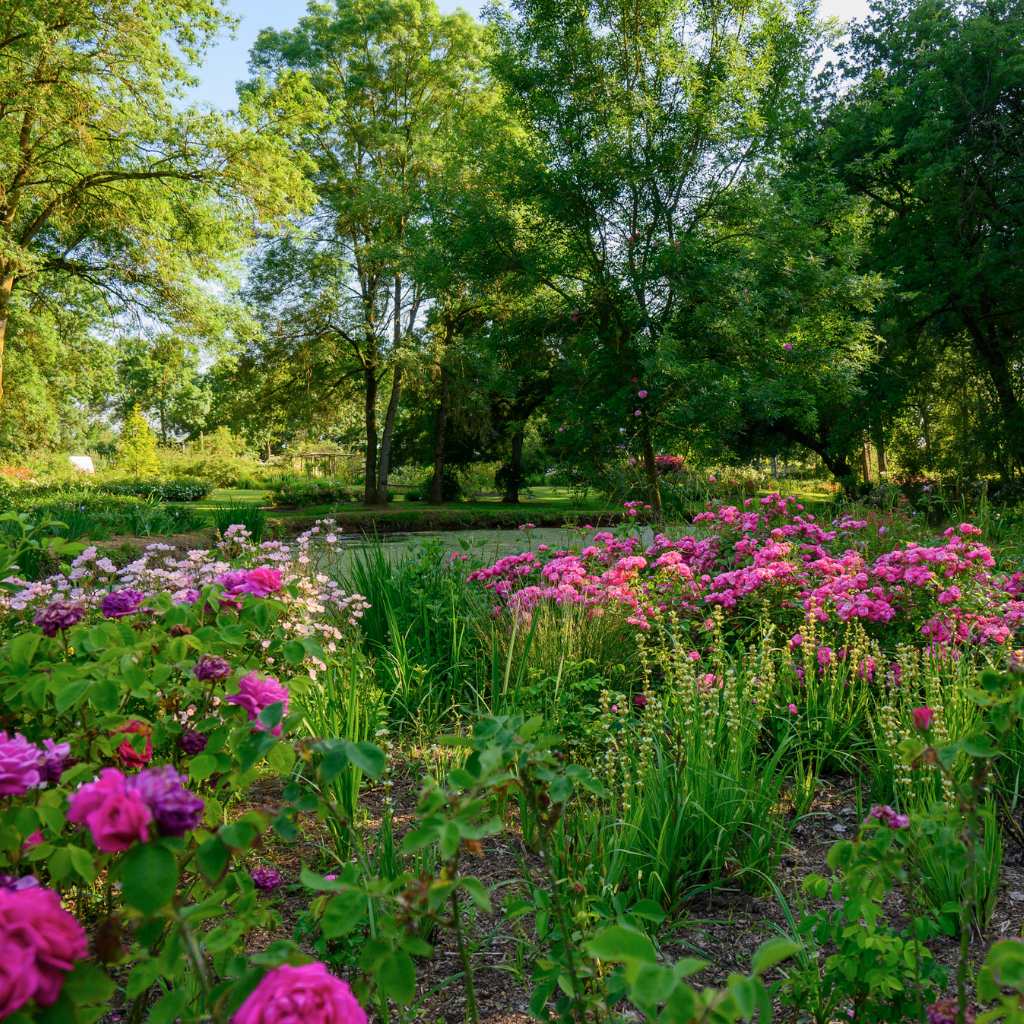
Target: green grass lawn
(546, 501)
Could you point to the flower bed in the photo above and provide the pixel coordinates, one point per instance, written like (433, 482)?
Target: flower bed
(770, 556)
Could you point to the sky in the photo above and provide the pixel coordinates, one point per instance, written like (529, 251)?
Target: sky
(226, 62)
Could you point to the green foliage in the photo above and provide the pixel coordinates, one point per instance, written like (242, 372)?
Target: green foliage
(240, 513)
(136, 450)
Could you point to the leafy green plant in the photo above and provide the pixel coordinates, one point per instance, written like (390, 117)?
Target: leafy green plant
(240, 513)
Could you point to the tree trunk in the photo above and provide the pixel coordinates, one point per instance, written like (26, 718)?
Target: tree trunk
(385, 441)
(369, 486)
(883, 462)
(651, 472)
(775, 467)
(865, 455)
(515, 468)
(6, 287)
(440, 433)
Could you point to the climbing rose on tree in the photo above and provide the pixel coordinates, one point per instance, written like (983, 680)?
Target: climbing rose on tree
(300, 995)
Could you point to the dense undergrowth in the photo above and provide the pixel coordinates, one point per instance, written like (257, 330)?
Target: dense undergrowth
(650, 718)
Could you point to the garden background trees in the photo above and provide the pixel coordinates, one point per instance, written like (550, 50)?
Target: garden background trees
(103, 179)
(373, 98)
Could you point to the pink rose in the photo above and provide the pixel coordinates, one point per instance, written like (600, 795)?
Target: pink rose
(130, 757)
(115, 817)
(89, 797)
(17, 978)
(119, 821)
(923, 718)
(261, 582)
(300, 995)
(49, 940)
(255, 694)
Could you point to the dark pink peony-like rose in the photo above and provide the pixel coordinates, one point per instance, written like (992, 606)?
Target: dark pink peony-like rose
(262, 582)
(49, 941)
(300, 995)
(255, 694)
(115, 816)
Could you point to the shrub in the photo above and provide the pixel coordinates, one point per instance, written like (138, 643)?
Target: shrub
(180, 489)
(310, 492)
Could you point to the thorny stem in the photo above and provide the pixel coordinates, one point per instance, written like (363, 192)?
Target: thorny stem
(471, 1010)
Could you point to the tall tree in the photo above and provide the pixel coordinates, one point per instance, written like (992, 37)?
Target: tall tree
(931, 131)
(160, 376)
(373, 96)
(102, 178)
(642, 114)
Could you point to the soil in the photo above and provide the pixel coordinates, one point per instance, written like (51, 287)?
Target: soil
(723, 926)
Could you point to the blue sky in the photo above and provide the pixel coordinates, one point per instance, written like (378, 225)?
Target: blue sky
(226, 62)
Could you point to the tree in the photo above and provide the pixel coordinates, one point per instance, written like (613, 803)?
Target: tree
(103, 180)
(374, 95)
(931, 132)
(160, 375)
(136, 449)
(642, 117)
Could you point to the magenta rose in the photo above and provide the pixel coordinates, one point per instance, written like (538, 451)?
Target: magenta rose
(261, 582)
(49, 940)
(255, 694)
(16, 977)
(20, 769)
(116, 816)
(300, 995)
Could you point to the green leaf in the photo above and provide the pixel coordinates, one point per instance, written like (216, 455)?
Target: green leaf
(619, 943)
(201, 767)
(281, 758)
(294, 653)
(88, 983)
(69, 694)
(149, 877)
(143, 975)
(169, 1007)
(649, 911)
(368, 758)
(105, 695)
(772, 952)
(477, 893)
(396, 976)
(82, 862)
(270, 717)
(334, 764)
(212, 859)
(342, 913)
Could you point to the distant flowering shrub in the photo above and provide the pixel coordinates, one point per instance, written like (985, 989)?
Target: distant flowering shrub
(945, 597)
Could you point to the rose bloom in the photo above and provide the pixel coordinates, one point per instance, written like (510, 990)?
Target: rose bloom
(211, 667)
(115, 817)
(175, 809)
(58, 615)
(119, 603)
(20, 768)
(255, 694)
(130, 757)
(261, 582)
(923, 718)
(300, 995)
(39, 944)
